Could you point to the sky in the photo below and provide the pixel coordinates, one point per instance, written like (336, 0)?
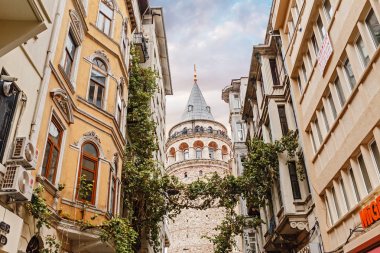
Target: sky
(217, 36)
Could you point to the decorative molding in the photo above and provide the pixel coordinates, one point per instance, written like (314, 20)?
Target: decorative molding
(90, 136)
(300, 225)
(77, 26)
(64, 104)
(102, 55)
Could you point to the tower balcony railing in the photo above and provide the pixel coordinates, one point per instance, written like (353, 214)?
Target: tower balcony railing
(200, 130)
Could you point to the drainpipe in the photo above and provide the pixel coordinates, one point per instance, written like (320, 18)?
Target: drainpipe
(42, 91)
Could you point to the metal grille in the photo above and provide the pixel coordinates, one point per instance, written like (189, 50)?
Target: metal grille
(9, 177)
(18, 147)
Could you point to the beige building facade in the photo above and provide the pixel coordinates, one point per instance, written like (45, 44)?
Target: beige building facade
(331, 50)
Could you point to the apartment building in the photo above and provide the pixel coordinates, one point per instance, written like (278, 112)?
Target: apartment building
(331, 49)
(234, 95)
(27, 44)
(289, 218)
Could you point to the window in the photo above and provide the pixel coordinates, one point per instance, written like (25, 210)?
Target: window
(349, 73)
(97, 83)
(332, 106)
(374, 27)
(190, 108)
(313, 141)
(321, 28)
(304, 73)
(52, 150)
(308, 56)
(208, 109)
(328, 9)
(324, 116)
(8, 102)
(236, 101)
(338, 211)
(365, 175)
(344, 193)
(200, 173)
(329, 213)
(119, 111)
(69, 55)
(375, 155)
(299, 84)
(274, 72)
(283, 121)
(88, 171)
(355, 186)
(186, 154)
(240, 134)
(211, 153)
(316, 123)
(294, 180)
(315, 44)
(125, 43)
(339, 91)
(362, 51)
(185, 175)
(105, 17)
(198, 153)
(113, 189)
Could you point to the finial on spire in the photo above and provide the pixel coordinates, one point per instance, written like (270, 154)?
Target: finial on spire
(195, 74)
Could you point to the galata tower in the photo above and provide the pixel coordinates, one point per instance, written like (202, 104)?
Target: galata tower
(197, 147)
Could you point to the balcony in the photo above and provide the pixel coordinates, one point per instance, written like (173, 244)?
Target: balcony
(188, 132)
(142, 48)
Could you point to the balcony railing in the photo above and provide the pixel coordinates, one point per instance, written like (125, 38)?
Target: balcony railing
(200, 130)
(142, 48)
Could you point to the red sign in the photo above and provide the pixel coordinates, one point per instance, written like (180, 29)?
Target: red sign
(370, 213)
(324, 53)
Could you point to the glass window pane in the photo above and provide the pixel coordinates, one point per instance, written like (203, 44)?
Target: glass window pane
(328, 9)
(90, 149)
(353, 180)
(71, 46)
(332, 106)
(315, 44)
(98, 77)
(99, 96)
(338, 211)
(376, 154)
(344, 194)
(89, 181)
(54, 133)
(88, 164)
(325, 119)
(107, 26)
(100, 22)
(374, 27)
(46, 158)
(363, 51)
(294, 180)
(108, 12)
(321, 28)
(53, 165)
(365, 175)
(91, 92)
(349, 73)
(68, 65)
(339, 90)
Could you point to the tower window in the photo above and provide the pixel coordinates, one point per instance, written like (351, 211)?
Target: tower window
(208, 109)
(190, 108)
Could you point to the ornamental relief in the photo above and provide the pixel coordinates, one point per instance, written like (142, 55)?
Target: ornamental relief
(77, 26)
(63, 103)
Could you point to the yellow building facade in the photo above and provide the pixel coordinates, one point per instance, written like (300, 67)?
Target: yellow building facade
(83, 130)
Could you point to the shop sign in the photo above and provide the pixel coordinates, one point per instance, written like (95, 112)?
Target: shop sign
(370, 213)
(324, 53)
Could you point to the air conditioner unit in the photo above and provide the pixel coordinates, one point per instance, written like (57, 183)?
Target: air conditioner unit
(17, 183)
(24, 153)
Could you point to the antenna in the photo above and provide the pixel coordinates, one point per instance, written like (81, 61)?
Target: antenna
(195, 74)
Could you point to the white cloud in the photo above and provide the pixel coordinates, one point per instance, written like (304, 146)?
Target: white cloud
(217, 35)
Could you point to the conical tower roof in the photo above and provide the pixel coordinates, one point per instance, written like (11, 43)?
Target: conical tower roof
(197, 107)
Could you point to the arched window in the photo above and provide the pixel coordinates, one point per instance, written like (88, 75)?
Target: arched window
(184, 130)
(97, 82)
(190, 108)
(197, 129)
(35, 245)
(209, 129)
(224, 150)
(184, 147)
(198, 146)
(212, 147)
(198, 153)
(88, 173)
(172, 152)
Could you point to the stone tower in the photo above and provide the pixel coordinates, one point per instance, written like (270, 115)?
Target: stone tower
(197, 147)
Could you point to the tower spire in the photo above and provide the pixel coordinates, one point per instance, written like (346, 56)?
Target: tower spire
(195, 74)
